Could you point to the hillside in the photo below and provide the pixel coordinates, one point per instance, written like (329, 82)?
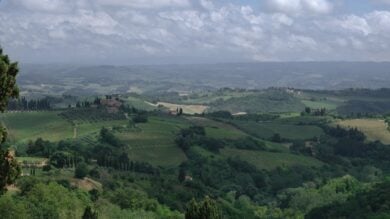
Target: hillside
(129, 157)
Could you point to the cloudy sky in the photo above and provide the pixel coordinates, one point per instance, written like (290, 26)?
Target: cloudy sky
(194, 31)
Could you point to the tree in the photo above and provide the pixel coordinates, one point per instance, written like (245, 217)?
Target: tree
(12, 208)
(9, 168)
(81, 170)
(192, 211)
(206, 209)
(106, 136)
(89, 213)
(55, 201)
(140, 118)
(182, 175)
(276, 138)
(59, 159)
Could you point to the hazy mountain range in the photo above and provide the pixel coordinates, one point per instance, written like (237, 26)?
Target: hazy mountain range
(147, 78)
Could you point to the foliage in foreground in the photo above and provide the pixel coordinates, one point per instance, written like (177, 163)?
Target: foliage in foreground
(9, 169)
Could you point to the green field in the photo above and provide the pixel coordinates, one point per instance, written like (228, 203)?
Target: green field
(317, 104)
(94, 127)
(207, 98)
(24, 126)
(266, 101)
(219, 130)
(269, 160)
(266, 130)
(166, 156)
(153, 141)
(139, 103)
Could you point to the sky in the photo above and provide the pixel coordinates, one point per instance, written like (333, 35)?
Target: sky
(124, 32)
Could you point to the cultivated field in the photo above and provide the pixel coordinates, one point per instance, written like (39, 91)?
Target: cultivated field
(139, 103)
(327, 104)
(266, 130)
(24, 126)
(216, 129)
(153, 141)
(374, 129)
(269, 160)
(188, 109)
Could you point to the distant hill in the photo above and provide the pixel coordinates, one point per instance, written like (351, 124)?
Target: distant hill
(73, 79)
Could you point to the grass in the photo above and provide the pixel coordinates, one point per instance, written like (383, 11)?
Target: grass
(329, 105)
(271, 100)
(223, 130)
(168, 156)
(266, 130)
(219, 130)
(24, 126)
(374, 129)
(89, 128)
(139, 103)
(153, 141)
(209, 97)
(270, 160)
(303, 120)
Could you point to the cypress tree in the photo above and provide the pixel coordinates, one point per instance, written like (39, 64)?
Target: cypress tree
(89, 213)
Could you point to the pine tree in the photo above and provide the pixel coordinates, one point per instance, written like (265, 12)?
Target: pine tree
(9, 168)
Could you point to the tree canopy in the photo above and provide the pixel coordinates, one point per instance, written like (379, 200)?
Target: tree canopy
(9, 169)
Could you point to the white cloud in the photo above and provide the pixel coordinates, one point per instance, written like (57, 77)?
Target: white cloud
(381, 19)
(301, 7)
(117, 31)
(207, 4)
(41, 5)
(355, 24)
(145, 3)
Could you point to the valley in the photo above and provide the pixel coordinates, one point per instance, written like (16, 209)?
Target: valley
(251, 144)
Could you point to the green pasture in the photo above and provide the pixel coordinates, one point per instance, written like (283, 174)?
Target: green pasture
(139, 103)
(318, 104)
(219, 130)
(24, 126)
(270, 160)
(154, 141)
(166, 156)
(266, 130)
